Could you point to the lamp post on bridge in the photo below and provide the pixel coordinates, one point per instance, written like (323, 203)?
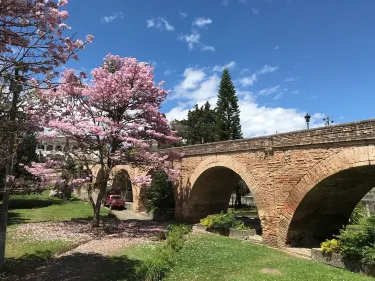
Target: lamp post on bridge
(307, 118)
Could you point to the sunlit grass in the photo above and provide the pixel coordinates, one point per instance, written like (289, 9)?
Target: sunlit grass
(211, 257)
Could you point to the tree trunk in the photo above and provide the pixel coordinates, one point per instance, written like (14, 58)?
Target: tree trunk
(3, 226)
(238, 203)
(8, 172)
(97, 205)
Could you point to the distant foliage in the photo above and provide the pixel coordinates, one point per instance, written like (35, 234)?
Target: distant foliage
(199, 127)
(159, 195)
(358, 214)
(227, 110)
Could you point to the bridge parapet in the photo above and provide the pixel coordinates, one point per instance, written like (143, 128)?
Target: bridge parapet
(349, 132)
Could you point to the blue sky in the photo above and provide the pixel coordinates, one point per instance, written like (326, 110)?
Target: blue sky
(286, 57)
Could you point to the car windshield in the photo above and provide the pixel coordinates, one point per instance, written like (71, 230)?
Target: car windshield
(115, 197)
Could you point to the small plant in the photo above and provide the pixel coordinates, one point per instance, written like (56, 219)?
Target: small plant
(330, 246)
(156, 267)
(358, 214)
(241, 226)
(222, 220)
(163, 257)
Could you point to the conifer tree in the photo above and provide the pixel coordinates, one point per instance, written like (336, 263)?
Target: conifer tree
(227, 110)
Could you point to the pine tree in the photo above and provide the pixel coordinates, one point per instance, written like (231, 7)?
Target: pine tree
(228, 113)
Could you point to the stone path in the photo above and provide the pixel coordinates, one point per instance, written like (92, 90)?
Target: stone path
(105, 246)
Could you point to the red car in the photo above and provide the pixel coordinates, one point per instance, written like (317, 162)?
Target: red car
(114, 201)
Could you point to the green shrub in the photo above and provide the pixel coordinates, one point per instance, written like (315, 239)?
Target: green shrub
(163, 257)
(330, 246)
(156, 267)
(359, 242)
(358, 214)
(176, 236)
(222, 220)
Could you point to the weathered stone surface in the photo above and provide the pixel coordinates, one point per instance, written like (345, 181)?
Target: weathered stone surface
(337, 260)
(241, 234)
(305, 184)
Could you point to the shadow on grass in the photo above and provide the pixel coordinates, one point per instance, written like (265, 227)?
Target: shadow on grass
(15, 218)
(74, 267)
(27, 203)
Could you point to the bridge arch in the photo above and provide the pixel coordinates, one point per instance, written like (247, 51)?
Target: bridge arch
(323, 200)
(211, 184)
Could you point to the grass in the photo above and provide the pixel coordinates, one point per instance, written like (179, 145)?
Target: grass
(17, 247)
(41, 208)
(211, 257)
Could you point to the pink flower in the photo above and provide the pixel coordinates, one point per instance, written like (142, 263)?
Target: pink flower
(89, 38)
(64, 15)
(62, 3)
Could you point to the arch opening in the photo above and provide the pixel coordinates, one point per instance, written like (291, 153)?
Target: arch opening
(212, 193)
(160, 196)
(122, 184)
(327, 207)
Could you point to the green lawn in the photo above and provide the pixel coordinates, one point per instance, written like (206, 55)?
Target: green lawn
(211, 257)
(40, 208)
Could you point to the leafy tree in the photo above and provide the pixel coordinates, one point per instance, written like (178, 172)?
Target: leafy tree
(159, 195)
(227, 110)
(113, 120)
(181, 131)
(240, 189)
(200, 125)
(33, 44)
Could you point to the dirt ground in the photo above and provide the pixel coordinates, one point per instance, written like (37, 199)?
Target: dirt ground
(93, 259)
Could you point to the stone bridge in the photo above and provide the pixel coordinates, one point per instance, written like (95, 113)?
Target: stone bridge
(305, 183)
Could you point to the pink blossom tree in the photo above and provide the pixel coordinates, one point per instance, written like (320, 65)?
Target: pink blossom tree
(113, 120)
(33, 45)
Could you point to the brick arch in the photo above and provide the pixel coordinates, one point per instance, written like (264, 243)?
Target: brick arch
(343, 160)
(228, 162)
(137, 190)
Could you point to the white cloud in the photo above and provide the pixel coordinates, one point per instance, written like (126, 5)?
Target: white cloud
(276, 47)
(248, 81)
(192, 78)
(291, 79)
(191, 39)
(219, 68)
(269, 91)
(201, 22)
(167, 72)
(256, 120)
(255, 11)
(159, 23)
(278, 96)
(208, 48)
(182, 14)
(268, 69)
(295, 92)
(115, 15)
